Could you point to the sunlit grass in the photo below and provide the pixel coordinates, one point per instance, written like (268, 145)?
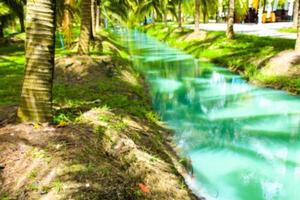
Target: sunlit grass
(288, 30)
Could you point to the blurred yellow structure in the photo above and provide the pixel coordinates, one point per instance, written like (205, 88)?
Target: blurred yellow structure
(272, 18)
(273, 15)
(255, 4)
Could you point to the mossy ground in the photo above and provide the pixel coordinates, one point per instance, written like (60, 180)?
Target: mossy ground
(246, 54)
(106, 142)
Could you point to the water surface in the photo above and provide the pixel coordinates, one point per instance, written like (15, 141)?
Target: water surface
(243, 140)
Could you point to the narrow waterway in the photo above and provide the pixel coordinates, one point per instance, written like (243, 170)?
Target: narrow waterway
(243, 141)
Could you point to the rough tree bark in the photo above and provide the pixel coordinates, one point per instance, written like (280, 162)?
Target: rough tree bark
(36, 97)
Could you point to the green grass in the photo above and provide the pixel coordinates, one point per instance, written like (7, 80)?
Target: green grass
(12, 62)
(246, 54)
(288, 30)
(11, 73)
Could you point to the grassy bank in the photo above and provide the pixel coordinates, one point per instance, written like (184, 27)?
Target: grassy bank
(288, 30)
(246, 54)
(106, 142)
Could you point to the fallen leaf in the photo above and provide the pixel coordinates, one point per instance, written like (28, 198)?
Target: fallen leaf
(144, 188)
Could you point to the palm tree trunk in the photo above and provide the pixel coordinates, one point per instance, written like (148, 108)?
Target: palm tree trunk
(180, 14)
(93, 17)
(67, 23)
(1, 30)
(36, 97)
(21, 20)
(197, 16)
(297, 46)
(230, 20)
(85, 29)
(165, 18)
(296, 8)
(98, 16)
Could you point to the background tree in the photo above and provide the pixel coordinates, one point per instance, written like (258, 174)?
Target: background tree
(36, 97)
(297, 46)
(295, 14)
(4, 11)
(17, 8)
(86, 27)
(66, 22)
(197, 16)
(9, 11)
(179, 18)
(230, 20)
(98, 15)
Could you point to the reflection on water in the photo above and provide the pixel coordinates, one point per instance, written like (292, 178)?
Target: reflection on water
(243, 140)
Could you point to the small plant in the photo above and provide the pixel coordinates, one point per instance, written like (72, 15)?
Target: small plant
(61, 119)
(4, 197)
(33, 174)
(154, 158)
(105, 171)
(119, 126)
(104, 118)
(138, 193)
(152, 117)
(33, 187)
(58, 186)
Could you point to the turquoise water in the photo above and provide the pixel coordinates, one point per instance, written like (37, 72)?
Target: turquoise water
(243, 141)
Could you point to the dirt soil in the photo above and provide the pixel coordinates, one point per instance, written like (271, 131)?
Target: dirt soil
(106, 153)
(286, 63)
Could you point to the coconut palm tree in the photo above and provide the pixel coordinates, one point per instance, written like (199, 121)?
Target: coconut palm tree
(295, 14)
(86, 27)
(297, 46)
(197, 16)
(4, 11)
(66, 22)
(98, 15)
(179, 14)
(93, 17)
(14, 9)
(17, 10)
(230, 20)
(36, 97)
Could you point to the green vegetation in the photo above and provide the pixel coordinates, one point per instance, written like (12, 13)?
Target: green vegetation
(11, 70)
(246, 54)
(288, 30)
